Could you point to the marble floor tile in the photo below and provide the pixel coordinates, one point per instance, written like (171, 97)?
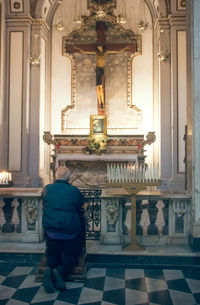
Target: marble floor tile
(103, 286)
(133, 297)
(134, 273)
(173, 274)
(112, 283)
(89, 295)
(183, 298)
(155, 285)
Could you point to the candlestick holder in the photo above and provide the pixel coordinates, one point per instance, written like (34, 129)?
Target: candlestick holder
(132, 180)
(133, 189)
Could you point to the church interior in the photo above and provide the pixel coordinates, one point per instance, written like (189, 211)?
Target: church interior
(110, 89)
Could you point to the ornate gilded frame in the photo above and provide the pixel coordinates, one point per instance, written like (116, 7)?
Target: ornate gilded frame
(98, 125)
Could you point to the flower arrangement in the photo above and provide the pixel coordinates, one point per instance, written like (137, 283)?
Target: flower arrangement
(96, 145)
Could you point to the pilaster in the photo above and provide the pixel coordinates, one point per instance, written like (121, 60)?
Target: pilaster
(165, 100)
(193, 40)
(38, 104)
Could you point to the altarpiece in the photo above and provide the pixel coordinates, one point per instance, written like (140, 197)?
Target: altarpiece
(101, 53)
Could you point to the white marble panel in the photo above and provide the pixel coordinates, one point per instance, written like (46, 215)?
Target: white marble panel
(182, 98)
(15, 100)
(42, 99)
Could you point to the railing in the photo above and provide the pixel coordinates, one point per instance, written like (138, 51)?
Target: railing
(20, 215)
(92, 213)
(160, 218)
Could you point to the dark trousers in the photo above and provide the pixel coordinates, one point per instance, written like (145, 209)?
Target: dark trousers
(63, 254)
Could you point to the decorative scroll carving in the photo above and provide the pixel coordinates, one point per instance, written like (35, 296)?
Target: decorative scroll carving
(150, 138)
(31, 209)
(48, 138)
(112, 214)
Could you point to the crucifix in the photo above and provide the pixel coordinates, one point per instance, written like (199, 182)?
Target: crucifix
(100, 49)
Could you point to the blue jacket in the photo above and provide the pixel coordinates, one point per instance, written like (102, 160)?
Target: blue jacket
(61, 207)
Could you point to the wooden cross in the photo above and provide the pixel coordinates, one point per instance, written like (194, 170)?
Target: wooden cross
(100, 49)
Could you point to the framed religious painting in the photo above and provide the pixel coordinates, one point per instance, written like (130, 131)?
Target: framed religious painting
(98, 125)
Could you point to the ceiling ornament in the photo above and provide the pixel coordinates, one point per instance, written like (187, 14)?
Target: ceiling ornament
(142, 24)
(59, 24)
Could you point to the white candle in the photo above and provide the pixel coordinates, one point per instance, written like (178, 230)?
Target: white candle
(3, 176)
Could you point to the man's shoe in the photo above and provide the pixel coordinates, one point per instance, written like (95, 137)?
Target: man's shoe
(59, 283)
(47, 281)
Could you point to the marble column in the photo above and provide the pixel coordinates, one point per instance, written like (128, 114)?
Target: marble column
(193, 106)
(17, 84)
(37, 105)
(178, 100)
(165, 101)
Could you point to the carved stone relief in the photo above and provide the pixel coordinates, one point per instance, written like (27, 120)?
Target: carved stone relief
(112, 215)
(87, 174)
(31, 209)
(16, 6)
(181, 5)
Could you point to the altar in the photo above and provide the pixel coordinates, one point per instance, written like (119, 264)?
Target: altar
(88, 169)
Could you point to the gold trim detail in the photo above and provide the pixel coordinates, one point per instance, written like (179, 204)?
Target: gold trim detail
(73, 93)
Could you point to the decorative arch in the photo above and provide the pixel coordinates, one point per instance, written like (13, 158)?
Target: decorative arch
(44, 9)
(158, 8)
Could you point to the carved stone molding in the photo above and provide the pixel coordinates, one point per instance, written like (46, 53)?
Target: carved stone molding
(112, 214)
(73, 92)
(31, 209)
(181, 5)
(48, 138)
(150, 138)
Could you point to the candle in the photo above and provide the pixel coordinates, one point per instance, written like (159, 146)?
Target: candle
(5, 177)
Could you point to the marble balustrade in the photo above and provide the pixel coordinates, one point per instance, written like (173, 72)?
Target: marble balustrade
(162, 218)
(20, 215)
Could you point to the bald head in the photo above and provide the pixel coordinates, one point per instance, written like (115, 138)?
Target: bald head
(62, 173)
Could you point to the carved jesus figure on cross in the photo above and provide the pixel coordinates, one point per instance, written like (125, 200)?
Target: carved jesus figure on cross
(100, 49)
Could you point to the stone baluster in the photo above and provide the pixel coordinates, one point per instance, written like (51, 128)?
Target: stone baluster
(160, 218)
(144, 221)
(8, 227)
(2, 217)
(166, 217)
(153, 211)
(124, 214)
(139, 211)
(16, 219)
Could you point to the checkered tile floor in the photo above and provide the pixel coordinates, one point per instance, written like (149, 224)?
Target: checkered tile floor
(103, 286)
